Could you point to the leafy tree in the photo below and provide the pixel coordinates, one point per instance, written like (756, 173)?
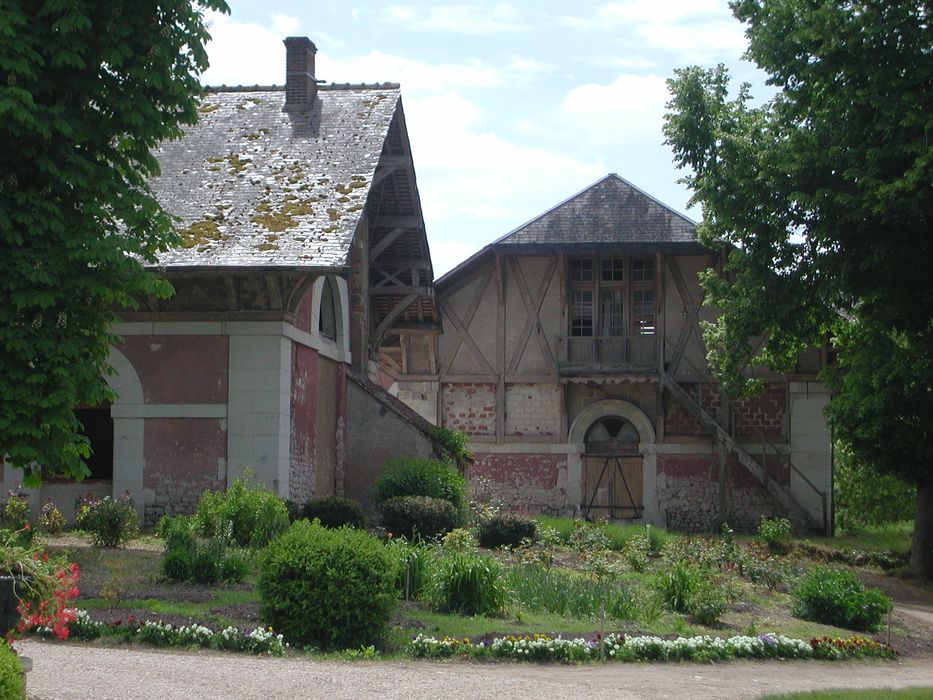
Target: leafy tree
(825, 193)
(88, 88)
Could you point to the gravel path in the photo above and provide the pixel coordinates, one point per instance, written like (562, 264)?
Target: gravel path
(72, 672)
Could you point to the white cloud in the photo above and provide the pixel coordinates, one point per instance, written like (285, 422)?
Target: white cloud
(377, 66)
(475, 18)
(697, 42)
(628, 109)
(286, 25)
(233, 64)
(612, 15)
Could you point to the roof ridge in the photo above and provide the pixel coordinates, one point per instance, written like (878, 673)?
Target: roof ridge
(281, 88)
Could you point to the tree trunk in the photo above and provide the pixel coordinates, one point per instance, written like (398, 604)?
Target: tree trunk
(921, 548)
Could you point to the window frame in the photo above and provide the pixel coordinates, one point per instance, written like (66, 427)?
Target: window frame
(628, 286)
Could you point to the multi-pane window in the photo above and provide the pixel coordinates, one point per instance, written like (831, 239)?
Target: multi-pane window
(618, 301)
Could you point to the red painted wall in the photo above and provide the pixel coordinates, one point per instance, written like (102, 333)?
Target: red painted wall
(527, 470)
(303, 313)
(183, 458)
(303, 423)
(180, 368)
(683, 466)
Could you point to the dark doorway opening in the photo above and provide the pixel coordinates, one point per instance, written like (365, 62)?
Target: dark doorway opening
(97, 426)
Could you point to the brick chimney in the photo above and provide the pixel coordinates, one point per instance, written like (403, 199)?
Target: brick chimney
(300, 86)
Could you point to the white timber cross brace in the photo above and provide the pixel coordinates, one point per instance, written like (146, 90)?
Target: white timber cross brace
(532, 316)
(461, 333)
(692, 310)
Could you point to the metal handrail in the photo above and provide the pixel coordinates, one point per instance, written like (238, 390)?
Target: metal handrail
(765, 443)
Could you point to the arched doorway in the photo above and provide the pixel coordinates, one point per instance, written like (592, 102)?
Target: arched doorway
(617, 463)
(612, 470)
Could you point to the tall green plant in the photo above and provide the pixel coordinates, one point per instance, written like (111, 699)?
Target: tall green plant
(88, 89)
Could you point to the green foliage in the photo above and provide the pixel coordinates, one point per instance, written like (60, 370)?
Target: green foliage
(234, 566)
(677, 585)
(9, 673)
(454, 442)
(88, 90)
(420, 477)
(706, 603)
(15, 512)
(775, 532)
(331, 588)
(176, 564)
(418, 516)
(51, 519)
(110, 521)
(335, 511)
(865, 497)
(506, 530)
(205, 562)
(469, 584)
(247, 513)
(459, 540)
(414, 563)
(837, 597)
(828, 234)
(569, 594)
(635, 552)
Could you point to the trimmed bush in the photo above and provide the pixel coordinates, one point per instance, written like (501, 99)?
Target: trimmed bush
(775, 532)
(506, 530)
(418, 516)
(469, 585)
(247, 513)
(331, 588)
(335, 512)
(9, 673)
(420, 477)
(836, 597)
(111, 521)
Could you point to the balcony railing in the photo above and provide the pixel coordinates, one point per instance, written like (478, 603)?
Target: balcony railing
(609, 353)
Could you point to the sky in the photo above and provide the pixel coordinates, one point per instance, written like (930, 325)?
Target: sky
(511, 107)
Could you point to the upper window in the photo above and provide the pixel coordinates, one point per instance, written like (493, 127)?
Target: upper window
(618, 301)
(327, 319)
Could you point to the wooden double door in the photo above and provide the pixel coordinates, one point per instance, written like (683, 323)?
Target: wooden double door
(612, 486)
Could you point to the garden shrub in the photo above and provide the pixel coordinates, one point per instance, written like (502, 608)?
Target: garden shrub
(506, 530)
(205, 562)
(414, 563)
(865, 497)
(247, 513)
(176, 564)
(459, 540)
(775, 532)
(706, 603)
(837, 597)
(589, 537)
(420, 477)
(51, 520)
(335, 511)
(14, 515)
(635, 551)
(110, 521)
(234, 567)
(9, 673)
(469, 585)
(677, 585)
(332, 588)
(418, 516)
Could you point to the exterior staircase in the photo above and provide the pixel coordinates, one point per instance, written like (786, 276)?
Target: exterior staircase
(781, 494)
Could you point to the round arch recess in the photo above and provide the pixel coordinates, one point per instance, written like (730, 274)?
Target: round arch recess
(612, 407)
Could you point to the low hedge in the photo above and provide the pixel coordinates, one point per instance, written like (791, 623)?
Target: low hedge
(335, 511)
(418, 516)
(506, 530)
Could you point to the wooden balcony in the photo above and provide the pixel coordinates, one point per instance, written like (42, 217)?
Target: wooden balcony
(608, 354)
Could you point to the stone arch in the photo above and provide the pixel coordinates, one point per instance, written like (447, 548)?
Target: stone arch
(612, 407)
(340, 297)
(128, 431)
(124, 381)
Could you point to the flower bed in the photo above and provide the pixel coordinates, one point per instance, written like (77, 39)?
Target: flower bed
(618, 647)
(256, 641)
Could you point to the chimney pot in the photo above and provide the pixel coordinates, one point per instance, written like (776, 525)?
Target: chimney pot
(300, 85)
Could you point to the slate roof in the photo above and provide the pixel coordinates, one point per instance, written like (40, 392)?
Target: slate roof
(612, 211)
(254, 186)
(611, 215)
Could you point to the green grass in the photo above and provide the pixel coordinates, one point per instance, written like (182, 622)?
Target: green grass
(617, 534)
(569, 594)
(175, 607)
(890, 536)
(923, 693)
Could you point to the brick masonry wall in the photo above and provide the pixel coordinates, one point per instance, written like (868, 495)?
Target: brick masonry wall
(765, 413)
(470, 408)
(688, 493)
(532, 409)
(526, 482)
(183, 457)
(303, 423)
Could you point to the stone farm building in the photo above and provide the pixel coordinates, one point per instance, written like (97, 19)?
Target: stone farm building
(297, 207)
(307, 340)
(571, 354)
